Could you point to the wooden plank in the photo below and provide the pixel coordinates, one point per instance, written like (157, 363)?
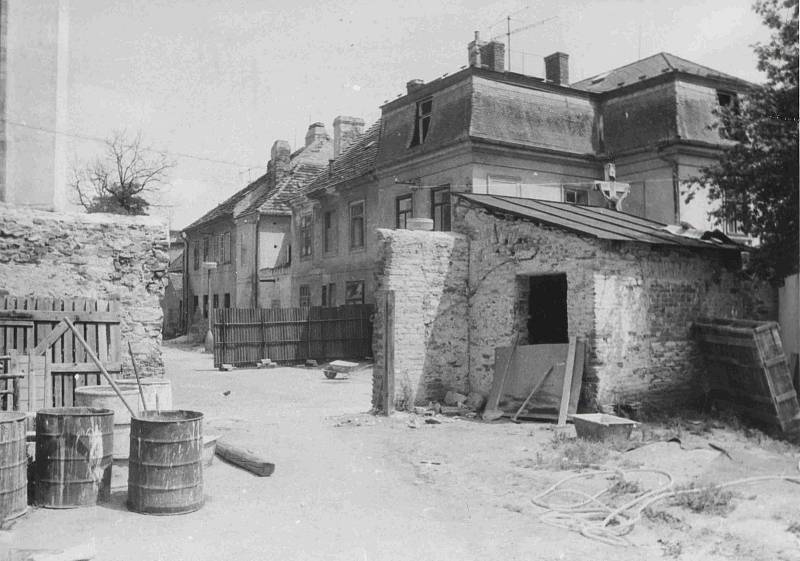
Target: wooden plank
(244, 458)
(577, 376)
(57, 315)
(84, 367)
(50, 339)
(568, 373)
(115, 335)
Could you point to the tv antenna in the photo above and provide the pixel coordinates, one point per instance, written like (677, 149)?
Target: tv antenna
(509, 32)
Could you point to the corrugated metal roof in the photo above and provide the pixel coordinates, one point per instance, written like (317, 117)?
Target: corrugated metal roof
(598, 222)
(648, 68)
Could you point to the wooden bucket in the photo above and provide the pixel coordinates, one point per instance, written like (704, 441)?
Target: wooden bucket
(73, 456)
(104, 397)
(13, 466)
(165, 469)
(157, 391)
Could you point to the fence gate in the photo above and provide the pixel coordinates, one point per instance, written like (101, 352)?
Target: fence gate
(30, 344)
(245, 336)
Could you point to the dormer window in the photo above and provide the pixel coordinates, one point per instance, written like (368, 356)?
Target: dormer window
(422, 121)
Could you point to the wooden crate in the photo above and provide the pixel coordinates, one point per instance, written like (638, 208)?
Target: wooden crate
(747, 368)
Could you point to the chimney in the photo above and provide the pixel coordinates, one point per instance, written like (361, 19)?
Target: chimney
(280, 159)
(556, 68)
(316, 131)
(490, 55)
(414, 85)
(345, 131)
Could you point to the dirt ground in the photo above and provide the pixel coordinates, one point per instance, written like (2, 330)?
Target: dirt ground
(352, 486)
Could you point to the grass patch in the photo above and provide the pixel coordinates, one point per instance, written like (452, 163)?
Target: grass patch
(706, 500)
(567, 453)
(663, 517)
(622, 486)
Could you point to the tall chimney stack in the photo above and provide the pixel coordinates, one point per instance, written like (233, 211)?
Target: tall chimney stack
(490, 55)
(345, 131)
(316, 131)
(556, 68)
(279, 162)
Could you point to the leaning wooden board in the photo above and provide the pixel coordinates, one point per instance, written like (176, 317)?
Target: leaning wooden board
(529, 364)
(747, 368)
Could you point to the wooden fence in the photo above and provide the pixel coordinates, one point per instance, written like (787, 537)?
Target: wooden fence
(287, 335)
(28, 323)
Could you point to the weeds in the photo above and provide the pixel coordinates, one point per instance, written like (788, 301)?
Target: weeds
(572, 453)
(707, 500)
(794, 528)
(622, 486)
(664, 517)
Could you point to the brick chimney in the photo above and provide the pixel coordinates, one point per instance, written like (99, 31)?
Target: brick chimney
(316, 131)
(280, 159)
(556, 68)
(490, 55)
(414, 85)
(345, 131)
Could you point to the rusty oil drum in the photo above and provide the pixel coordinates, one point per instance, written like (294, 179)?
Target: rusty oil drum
(74, 448)
(165, 465)
(13, 466)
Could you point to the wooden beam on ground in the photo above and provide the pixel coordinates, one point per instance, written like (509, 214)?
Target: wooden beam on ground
(567, 387)
(244, 458)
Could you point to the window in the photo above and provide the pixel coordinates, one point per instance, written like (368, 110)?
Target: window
(306, 239)
(729, 100)
(403, 210)
(216, 301)
(225, 247)
(305, 296)
(422, 121)
(440, 208)
(227, 300)
(205, 305)
(195, 304)
(196, 255)
(329, 295)
(576, 197)
(329, 231)
(206, 248)
(354, 293)
(357, 225)
(242, 251)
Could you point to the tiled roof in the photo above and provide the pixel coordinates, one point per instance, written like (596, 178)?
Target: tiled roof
(258, 197)
(356, 161)
(648, 68)
(600, 222)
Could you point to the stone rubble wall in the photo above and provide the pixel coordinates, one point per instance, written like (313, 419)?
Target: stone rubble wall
(634, 304)
(98, 256)
(427, 272)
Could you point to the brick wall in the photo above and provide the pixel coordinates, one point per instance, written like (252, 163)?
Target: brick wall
(91, 256)
(427, 272)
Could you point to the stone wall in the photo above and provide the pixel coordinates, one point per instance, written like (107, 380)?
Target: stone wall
(99, 256)
(634, 304)
(427, 272)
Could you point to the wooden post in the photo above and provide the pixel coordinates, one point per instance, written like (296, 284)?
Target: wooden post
(388, 352)
(48, 385)
(31, 383)
(567, 387)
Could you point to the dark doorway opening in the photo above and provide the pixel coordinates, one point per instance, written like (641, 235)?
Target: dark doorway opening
(547, 309)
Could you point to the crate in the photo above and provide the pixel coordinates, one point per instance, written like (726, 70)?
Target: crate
(601, 426)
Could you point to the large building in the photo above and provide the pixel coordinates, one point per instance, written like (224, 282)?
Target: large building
(632, 137)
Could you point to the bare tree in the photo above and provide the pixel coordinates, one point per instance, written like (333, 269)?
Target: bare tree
(122, 178)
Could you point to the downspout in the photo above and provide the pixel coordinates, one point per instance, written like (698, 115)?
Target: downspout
(255, 260)
(185, 285)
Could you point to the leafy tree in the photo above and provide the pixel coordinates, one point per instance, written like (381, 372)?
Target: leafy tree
(756, 180)
(120, 180)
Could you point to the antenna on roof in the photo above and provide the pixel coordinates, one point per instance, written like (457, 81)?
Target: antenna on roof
(509, 32)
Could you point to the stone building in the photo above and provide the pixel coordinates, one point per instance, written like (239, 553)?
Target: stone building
(485, 130)
(542, 271)
(247, 236)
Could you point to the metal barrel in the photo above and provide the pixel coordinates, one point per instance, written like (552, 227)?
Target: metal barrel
(165, 468)
(13, 465)
(73, 456)
(104, 397)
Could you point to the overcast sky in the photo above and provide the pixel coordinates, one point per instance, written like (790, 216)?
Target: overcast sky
(222, 79)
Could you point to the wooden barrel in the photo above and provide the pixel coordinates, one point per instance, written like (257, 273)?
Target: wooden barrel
(165, 469)
(157, 391)
(73, 456)
(104, 397)
(13, 465)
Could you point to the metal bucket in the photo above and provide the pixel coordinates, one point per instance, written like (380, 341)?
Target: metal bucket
(13, 466)
(157, 391)
(73, 456)
(165, 469)
(104, 397)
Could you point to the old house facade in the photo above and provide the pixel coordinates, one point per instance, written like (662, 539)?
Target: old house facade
(238, 254)
(487, 131)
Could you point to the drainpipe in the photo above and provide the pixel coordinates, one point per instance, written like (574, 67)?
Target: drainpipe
(185, 286)
(255, 260)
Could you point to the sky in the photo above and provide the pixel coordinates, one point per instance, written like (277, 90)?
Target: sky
(215, 82)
